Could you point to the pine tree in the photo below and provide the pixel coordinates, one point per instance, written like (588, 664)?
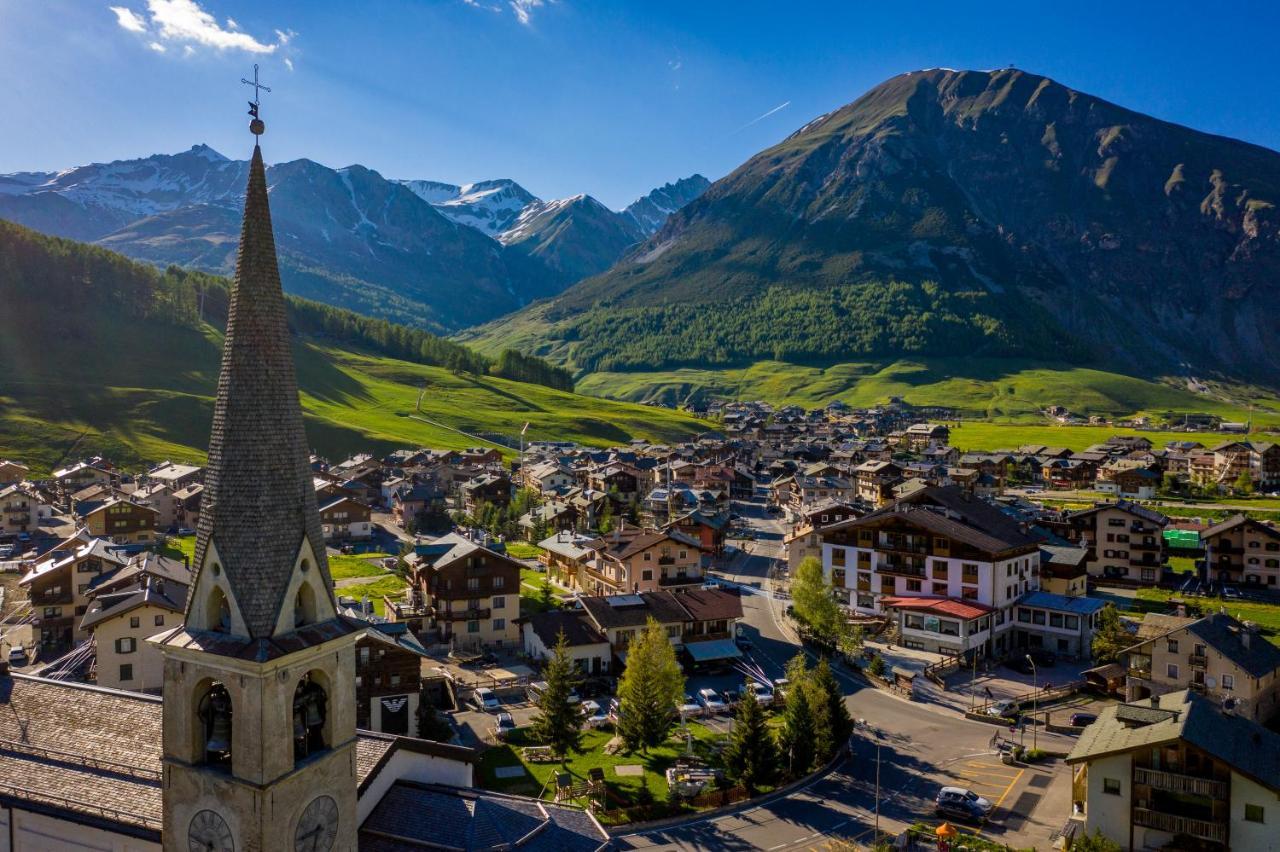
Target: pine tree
(797, 734)
(826, 689)
(1109, 637)
(558, 723)
(650, 689)
(752, 754)
(545, 592)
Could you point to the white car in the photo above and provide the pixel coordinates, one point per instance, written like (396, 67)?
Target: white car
(593, 715)
(485, 699)
(762, 693)
(1002, 708)
(711, 700)
(505, 725)
(689, 708)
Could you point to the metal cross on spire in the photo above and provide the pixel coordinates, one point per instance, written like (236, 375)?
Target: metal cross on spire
(256, 127)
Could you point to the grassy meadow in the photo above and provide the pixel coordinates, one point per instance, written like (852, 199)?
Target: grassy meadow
(137, 398)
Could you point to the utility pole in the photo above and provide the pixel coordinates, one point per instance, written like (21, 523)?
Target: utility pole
(876, 842)
(1035, 692)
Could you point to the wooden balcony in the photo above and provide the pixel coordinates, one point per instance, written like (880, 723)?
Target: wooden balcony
(1174, 824)
(477, 614)
(1197, 660)
(1176, 782)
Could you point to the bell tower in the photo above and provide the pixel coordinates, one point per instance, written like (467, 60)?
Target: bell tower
(259, 686)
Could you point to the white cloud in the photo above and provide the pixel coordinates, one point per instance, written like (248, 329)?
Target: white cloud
(157, 47)
(185, 22)
(129, 20)
(524, 8)
(288, 63)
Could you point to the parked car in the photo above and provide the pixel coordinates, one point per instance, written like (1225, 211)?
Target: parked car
(593, 715)
(763, 694)
(485, 699)
(18, 656)
(505, 724)
(959, 803)
(1001, 709)
(689, 708)
(730, 697)
(780, 687)
(1081, 720)
(743, 642)
(6, 550)
(184, 531)
(534, 692)
(711, 700)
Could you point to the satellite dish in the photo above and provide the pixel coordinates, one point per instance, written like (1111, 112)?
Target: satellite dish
(1211, 682)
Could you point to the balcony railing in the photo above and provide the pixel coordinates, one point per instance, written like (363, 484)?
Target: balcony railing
(1203, 829)
(1176, 782)
(479, 614)
(679, 580)
(1197, 660)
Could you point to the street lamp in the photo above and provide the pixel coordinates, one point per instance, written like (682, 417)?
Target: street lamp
(1035, 692)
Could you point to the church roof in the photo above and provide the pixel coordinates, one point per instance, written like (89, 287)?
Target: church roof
(258, 501)
(93, 755)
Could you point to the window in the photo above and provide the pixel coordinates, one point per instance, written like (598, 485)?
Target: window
(126, 673)
(1072, 622)
(1173, 646)
(1024, 614)
(499, 602)
(648, 557)
(364, 656)
(473, 627)
(127, 645)
(1253, 813)
(499, 624)
(159, 621)
(913, 585)
(395, 680)
(673, 631)
(473, 583)
(499, 582)
(1172, 670)
(1037, 616)
(135, 621)
(1111, 786)
(1228, 682)
(684, 554)
(1055, 619)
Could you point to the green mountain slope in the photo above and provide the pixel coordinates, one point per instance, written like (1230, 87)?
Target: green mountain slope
(943, 214)
(100, 354)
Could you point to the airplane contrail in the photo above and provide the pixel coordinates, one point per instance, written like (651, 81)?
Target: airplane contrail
(761, 118)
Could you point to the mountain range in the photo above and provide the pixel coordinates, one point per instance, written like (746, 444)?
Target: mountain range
(433, 255)
(950, 213)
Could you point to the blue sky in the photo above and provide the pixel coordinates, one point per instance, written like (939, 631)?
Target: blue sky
(568, 96)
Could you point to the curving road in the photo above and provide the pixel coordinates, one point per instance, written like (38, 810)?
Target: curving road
(921, 747)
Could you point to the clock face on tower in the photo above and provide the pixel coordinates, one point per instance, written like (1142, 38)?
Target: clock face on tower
(208, 832)
(317, 827)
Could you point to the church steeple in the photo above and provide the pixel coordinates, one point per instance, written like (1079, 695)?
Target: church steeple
(259, 503)
(259, 683)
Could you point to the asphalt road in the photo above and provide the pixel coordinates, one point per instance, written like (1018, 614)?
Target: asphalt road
(919, 748)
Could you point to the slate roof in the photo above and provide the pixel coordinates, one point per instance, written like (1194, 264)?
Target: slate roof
(1225, 635)
(415, 816)
(1125, 506)
(258, 503)
(92, 755)
(1243, 744)
(577, 627)
(1236, 521)
(661, 605)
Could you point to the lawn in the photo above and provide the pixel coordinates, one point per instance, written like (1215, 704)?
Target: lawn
(1182, 565)
(344, 566)
(391, 586)
(1267, 616)
(523, 550)
(531, 592)
(623, 789)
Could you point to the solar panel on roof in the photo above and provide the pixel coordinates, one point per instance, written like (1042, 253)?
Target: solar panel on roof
(617, 601)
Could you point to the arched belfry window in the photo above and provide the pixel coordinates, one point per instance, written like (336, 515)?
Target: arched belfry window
(310, 711)
(218, 611)
(304, 606)
(214, 718)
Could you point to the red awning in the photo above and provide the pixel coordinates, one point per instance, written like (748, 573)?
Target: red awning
(939, 606)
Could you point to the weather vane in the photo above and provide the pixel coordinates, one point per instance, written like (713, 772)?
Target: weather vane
(256, 127)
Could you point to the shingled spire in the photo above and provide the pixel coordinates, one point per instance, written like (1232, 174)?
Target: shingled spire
(259, 503)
